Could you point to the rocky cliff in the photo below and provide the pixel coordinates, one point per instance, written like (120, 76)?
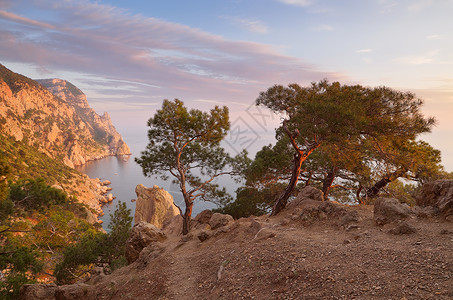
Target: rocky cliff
(54, 116)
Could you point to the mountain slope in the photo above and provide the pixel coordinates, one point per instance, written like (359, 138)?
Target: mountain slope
(65, 128)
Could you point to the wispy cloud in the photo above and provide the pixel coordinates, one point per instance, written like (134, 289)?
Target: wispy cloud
(251, 25)
(421, 59)
(419, 5)
(107, 42)
(302, 3)
(19, 19)
(387, 6)
(322, 27)
(434, 37)
(364, 50)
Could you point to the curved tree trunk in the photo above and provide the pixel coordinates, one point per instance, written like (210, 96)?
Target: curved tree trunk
(376, 188)
(327, 182)
(282, 200)
(299, 157)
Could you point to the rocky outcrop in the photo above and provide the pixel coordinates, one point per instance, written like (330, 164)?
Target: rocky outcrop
(62, 125)
(142, 234)
(219, 220)
(388, 210)
(155, 206)
(438, 195)
(307, 193)
(51, 292)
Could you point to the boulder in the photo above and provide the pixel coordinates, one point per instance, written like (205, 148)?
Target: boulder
(75, 292)
(402, 228)
(204, 216)
(37, 291)
(142, 234)
(437, 194)
(201, 221)
(349, 218)
(388, 210)
(105, 182)
(307, 193)
(154, 206)
(219, 220)
(51, 292)
(203, 235)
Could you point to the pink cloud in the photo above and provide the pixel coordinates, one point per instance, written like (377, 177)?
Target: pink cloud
(111, 43)
(15, 18)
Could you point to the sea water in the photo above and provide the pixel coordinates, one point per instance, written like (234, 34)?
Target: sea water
(125, 174)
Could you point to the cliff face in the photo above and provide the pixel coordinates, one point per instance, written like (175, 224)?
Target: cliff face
(61, 124)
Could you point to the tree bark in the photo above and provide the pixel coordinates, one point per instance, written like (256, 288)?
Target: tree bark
(376, 188)
(299, 157)
(327, 182)
(187, 218)
(282, 200)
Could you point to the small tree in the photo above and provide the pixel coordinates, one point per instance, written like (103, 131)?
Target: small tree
(185, 144)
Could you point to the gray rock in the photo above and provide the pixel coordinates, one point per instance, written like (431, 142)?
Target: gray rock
(142, 235)
(350, 217)
(203, 235)
(37, 292)
(307, 193)
(219, 220)
(204, 216)
(437, 194)
(388, 210)
(74, 292)
(402, 228)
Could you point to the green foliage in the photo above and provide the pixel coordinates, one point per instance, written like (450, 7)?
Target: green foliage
(6, 205)
(20, 266)
(16, 81)
(185, 144)
(97, 249)
(80, 257)
(25, 161)
(35, 194)
(58, 228)
(251, 202)
(404, 192)
(350, 128)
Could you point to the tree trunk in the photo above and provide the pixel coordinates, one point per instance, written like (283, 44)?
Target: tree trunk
(283, 198)
(327, 182)
(299, 157)
(187, 217)
(376, 188)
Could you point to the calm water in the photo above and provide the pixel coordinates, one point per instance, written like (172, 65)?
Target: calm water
(125, 174)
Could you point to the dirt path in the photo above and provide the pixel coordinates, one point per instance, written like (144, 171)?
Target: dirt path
(273, 258)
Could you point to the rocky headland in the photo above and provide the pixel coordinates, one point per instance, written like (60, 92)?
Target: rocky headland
(53, 117)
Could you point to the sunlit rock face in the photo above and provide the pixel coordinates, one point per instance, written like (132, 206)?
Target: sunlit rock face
(54, 116)
(155, 206)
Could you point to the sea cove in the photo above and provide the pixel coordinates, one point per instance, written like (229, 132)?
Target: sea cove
(125, 175)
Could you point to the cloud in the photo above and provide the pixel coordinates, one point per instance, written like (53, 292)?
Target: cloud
(387, 6)
(421, 59)
(302, 3)
(322, 27)
(420, 5)
(19, 19)
(250, 25)
(434, 37)
(111, 44)
(364, 50)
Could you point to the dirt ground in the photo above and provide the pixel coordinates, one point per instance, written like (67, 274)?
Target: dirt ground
(279, 258)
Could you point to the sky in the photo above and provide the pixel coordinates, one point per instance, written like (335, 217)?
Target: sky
(127, 56)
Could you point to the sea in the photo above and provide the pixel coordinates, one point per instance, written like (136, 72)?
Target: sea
(125, 174)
